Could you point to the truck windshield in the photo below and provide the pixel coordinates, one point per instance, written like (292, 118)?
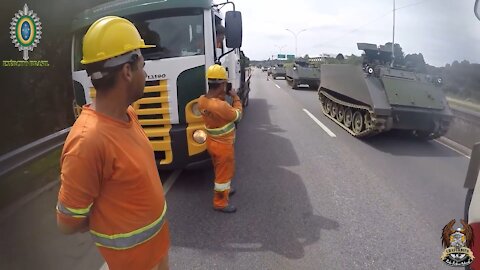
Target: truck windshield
(176, 33)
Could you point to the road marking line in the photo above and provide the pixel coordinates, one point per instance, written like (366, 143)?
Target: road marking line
(171, 180)
(325, 128)
(166, 187)
(452, 148)
(277, 86)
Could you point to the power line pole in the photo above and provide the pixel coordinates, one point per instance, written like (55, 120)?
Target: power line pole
(296, 36)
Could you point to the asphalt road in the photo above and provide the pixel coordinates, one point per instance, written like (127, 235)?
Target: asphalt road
(306, 200)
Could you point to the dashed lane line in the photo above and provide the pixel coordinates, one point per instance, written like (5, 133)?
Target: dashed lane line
(325, 128)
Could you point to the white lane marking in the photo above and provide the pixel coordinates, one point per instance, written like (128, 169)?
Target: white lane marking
(452, 149)
(325, 128)
(166, 187)
(277, 86)
(171, 180)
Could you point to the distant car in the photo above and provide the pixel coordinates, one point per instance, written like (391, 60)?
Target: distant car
(264, 68)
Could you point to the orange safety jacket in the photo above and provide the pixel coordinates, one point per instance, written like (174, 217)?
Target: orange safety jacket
(220, 118)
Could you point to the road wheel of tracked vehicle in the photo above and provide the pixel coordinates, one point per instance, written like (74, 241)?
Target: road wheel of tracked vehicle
(334, 110)
(328, 106)
(368, 120)
(348, 118)
(340, 113)
(357, 125)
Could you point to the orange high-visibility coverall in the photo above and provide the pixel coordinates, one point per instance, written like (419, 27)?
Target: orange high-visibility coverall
(220, 120)
(109, 176)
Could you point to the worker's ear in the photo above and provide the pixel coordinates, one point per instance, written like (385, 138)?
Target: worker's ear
(127, 72)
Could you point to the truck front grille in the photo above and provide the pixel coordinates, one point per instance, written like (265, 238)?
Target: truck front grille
(154, 115)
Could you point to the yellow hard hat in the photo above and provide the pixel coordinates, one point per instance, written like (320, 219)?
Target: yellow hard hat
(108, 37)
(216, 73)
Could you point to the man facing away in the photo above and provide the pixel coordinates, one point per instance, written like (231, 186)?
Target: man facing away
(109, 180)
(220, 120)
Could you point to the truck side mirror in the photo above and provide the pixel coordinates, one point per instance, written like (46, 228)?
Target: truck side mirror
(477, 9)
(233, 29)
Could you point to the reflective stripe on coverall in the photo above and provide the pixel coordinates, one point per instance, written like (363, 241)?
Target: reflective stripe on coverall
(220, 120)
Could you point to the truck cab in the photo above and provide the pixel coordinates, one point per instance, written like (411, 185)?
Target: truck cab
(184, 32)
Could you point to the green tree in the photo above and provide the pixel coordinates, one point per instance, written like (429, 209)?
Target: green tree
(415, 62)
(399, 55)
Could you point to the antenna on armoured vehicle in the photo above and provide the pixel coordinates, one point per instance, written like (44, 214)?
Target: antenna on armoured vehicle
(393, 41)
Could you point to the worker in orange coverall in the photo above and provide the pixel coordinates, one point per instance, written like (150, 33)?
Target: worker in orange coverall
(220, 118)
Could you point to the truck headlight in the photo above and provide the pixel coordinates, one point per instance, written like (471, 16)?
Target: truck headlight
(199, 136)
(195, 109)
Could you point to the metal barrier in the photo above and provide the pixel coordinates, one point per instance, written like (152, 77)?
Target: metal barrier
(31, 151)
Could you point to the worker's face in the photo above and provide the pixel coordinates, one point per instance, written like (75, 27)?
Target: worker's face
(139, 75)
(223, 90)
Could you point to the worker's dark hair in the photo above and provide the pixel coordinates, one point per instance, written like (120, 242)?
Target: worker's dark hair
(108, 81)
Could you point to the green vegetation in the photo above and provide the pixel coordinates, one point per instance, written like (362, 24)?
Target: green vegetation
(462, 80)
(38, 100)
(29, 177)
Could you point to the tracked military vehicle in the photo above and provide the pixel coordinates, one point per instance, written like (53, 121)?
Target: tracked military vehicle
(278, 71)
(376, 97)
(301, 72)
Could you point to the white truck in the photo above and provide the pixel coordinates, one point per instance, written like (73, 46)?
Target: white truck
(184, 32)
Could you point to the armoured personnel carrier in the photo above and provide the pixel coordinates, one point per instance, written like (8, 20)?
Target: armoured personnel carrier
(377, 96)
(278, 71)
(301, 72)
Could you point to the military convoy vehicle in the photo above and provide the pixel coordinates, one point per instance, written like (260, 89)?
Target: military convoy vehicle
(278, 71)
(301, 72)
(378, 96)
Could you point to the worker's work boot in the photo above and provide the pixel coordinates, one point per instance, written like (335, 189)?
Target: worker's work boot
(227, 209)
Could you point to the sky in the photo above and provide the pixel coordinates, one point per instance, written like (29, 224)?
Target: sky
(442, 30)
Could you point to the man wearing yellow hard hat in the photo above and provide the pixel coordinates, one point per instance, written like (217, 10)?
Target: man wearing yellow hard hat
(220, 120)
(109, 180)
